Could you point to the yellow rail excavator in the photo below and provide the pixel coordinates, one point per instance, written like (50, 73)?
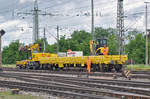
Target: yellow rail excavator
(49, 61)
(34, 53)
(32, 48)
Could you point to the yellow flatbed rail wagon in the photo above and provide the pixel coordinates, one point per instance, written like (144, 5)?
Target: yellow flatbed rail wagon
(53, 62)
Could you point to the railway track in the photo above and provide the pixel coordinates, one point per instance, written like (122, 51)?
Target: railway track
(134, 75)
(141, 72)
(131, 93)
(49, 90)
(49, 77)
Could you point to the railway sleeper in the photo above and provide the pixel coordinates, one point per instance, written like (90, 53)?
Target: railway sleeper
(55, 92)
(136, 98)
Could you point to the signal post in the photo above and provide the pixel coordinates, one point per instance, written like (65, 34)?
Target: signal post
(2, 32)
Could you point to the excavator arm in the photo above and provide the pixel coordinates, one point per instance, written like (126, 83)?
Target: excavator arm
(30, 49)
(34, 47)
(91, 46)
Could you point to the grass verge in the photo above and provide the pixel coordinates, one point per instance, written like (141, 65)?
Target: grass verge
(138, 67)
(8, 95)
(9, 65)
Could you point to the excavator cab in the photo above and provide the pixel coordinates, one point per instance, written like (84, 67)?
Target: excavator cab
(100, 45)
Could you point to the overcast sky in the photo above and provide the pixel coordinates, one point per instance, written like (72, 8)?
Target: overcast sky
(20, 26)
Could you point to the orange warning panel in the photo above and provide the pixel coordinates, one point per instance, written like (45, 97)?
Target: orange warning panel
(89, 65)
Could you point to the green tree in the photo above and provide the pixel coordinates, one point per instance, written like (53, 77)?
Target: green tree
(51, 48)
(82, 39)
(136, 49)
(11, 54)
(79, 41)
(112, 44)
(101, 33)
(131, 34)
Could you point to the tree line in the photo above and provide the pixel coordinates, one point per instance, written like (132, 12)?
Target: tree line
(79, 41)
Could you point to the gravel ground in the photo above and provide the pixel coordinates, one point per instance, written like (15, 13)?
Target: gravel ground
(46, 96)
(4, 89)
(64, 75)
(145, 80)
(82, 76)
(42, 95)
(10, 79)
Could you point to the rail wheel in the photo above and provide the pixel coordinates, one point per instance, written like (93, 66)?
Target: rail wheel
(23, 67)
(102, 67)
(34, 68)
(50, 67)
(45, 66)
(54, 68)
(28, 66)
(110, 67)
(96, 67)
(118, 67)
(18, 67)
(34, 65)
